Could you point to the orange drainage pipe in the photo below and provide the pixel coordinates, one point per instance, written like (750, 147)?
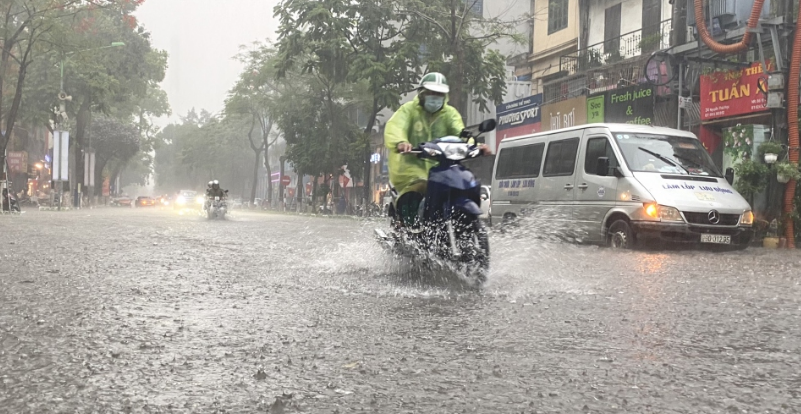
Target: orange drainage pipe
(792, 120)
(703, 33)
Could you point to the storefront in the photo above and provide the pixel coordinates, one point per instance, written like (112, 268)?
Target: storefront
(734, 113)
(518, 118)
(564, 114)
(731, 99)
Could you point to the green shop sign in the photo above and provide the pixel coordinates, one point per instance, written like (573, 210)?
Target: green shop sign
(632, 105)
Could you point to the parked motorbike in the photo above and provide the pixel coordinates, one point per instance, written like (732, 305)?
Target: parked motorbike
(216, 207)
(446, 227)
(9, 199)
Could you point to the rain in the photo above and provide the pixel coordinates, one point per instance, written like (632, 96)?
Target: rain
(210, 237)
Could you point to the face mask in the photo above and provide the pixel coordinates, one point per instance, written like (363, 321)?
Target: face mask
(434, 103)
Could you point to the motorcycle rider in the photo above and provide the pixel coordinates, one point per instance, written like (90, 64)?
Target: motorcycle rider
(214, 190)
(424, 119)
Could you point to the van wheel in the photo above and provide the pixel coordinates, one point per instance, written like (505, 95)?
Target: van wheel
(620, 235)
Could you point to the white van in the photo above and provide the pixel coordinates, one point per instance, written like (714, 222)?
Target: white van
(620, 184)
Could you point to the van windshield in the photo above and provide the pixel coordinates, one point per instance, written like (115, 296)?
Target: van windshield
(665, 154)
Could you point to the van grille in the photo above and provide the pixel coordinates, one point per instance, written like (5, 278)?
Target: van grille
(703, 218)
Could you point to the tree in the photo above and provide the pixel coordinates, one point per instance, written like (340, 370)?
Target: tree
(253, 96)
(30, 28)
(201, 148)
(457, 45)
(314, 120)
(111, 81)
(112, 140)
(352, 41)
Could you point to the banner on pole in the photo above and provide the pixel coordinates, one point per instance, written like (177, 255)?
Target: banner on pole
(89, 169)
(61, 154)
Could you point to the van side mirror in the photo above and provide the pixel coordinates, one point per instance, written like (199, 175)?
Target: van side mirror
(602, 166)
(487, 125)
(730, 175)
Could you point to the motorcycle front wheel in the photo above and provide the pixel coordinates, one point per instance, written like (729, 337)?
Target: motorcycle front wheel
(473, 241)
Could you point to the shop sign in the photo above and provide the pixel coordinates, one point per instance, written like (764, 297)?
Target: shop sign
(595, 109)
(732, 92)
(632, 105)
(517, 118)
(565, 114)
(17, 161)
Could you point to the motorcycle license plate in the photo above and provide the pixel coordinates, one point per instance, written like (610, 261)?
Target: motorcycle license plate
(715, 239)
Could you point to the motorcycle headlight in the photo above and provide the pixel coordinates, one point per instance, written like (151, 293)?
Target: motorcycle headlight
(181, 200)
(747, 218)
(455, 152)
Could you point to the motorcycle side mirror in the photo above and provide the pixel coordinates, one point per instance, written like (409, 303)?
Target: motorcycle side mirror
(487, 125)
(602, 166)
(484, 196)
(730, 175)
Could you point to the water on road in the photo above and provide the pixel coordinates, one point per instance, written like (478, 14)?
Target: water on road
(137, 310)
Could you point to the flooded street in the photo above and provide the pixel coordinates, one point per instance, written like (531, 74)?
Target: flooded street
(136, 310)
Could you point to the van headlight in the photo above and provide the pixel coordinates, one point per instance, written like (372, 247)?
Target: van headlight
(747, 218)
(201, 200)
(663, 213)
(180, 201)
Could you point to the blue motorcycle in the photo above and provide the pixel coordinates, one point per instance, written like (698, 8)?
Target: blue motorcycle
(443, 224)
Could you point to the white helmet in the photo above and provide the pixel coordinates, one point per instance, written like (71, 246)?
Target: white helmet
(435, 82)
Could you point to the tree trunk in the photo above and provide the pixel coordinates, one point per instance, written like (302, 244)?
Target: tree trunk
(82, 124)
(100, 165)
(314, 194)
(255, 178)
(269, 196)
(281, 183)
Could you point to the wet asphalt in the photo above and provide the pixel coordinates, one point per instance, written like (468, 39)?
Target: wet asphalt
(149, 311)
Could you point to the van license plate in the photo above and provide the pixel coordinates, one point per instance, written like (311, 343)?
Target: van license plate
(715, 239)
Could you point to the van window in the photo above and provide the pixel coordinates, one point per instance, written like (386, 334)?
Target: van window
(596, 148)
(561, 157)
(522, 161)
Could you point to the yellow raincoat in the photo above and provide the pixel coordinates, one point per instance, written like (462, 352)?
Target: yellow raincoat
(413, 124)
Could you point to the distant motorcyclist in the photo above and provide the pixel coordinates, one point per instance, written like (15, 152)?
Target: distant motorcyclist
(215, 190)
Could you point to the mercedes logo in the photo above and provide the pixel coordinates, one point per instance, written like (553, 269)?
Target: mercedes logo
(713, 217)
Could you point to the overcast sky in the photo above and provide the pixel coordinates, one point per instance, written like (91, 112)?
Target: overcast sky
(202, 37)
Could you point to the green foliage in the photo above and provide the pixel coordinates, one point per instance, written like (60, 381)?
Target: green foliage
(770, 147)
(738, 141)
(752, 177)
(33, 29)
(201, 148)
(457, 43)
(112, 138)
(787, 170)
(650, 43)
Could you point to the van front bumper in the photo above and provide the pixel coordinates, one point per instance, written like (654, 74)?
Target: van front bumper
(688, 233)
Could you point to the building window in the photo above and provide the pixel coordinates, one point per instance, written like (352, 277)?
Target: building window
(557, 15)
(476, 6)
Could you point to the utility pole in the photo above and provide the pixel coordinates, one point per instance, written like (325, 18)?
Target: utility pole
(281, 186)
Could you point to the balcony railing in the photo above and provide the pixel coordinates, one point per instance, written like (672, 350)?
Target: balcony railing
(611, 51)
